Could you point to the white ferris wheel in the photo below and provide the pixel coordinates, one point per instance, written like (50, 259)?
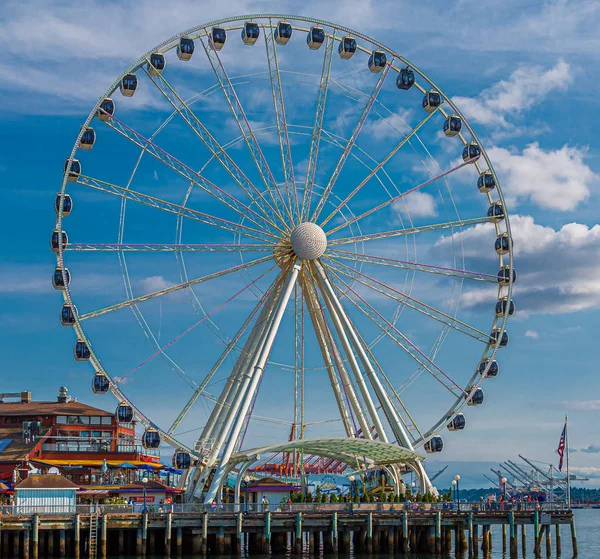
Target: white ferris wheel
(323, 194)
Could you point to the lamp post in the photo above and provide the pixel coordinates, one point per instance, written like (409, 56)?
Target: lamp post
(247, 482)
(455, 483)
(144, 484)
(504, 480)
(351, 479)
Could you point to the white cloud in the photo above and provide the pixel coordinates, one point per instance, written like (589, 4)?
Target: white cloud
(154, 283)
(417, 204)
(532, 334)
(525, 87)
(591, 449)
(583, 405)
(586, 471)
(558, 270)
(393, 126)
(554, 179)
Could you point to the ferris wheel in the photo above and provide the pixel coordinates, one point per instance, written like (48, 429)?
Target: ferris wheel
(277, 222)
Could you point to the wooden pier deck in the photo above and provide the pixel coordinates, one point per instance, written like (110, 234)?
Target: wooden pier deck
(312, 531)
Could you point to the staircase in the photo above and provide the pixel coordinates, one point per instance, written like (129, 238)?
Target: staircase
(93, 539)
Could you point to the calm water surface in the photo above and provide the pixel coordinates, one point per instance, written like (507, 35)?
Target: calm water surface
(587, 522)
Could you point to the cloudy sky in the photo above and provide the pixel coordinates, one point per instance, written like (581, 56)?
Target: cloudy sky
(523, 73)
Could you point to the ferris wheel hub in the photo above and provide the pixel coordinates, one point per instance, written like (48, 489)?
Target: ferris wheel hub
(308, 241)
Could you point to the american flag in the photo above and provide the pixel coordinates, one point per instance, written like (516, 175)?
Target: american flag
(561, 447)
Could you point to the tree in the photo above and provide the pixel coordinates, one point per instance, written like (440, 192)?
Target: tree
(333, 498)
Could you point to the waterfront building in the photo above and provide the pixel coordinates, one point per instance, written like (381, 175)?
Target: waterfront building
(85, 443)
(49, 493)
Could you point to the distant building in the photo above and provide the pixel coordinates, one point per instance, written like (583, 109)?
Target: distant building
(272, 489)
(46, 494)
(74, 437)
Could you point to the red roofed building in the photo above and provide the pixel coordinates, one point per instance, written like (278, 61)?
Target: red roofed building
(72, 436)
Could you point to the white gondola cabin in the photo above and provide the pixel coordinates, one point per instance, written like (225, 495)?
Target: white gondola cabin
(496, 211)
(250, 33)
(81, 351)
(486, 182)
(471, 152)
(502, 305)
(347, 47)
(452, 125)
(54, 240)
(493, 370)
(157, 63)
(58, 281)
(435, 444)
(67, 316)
(100, 384)
(106, 110)
(377, 61)
(185, 49)
(75, 170)
(88, 139)
(405, 79)
(477, 398)
(151, 438)
(503, 243)
(431, 100)
(124, 413)
(128, 85)
(458, 423)
(218, 38)
(282, 33)
(315, 38)
(495, 336)
(67, 204)
(504, 275)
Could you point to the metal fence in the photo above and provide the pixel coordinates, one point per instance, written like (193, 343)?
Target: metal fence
(282, 508)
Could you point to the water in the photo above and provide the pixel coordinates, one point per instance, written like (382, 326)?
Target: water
(587, 522)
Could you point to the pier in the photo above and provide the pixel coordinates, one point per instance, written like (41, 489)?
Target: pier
(297, 529)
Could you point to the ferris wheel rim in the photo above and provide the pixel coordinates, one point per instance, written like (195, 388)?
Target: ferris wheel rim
(475, 382)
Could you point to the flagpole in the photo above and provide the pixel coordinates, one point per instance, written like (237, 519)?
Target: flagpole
(568, 476)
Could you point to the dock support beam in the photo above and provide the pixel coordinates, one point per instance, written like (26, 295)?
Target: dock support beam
(513, 534)
(36, 535)
(536, 533)
(574, 538)
(26, 544)
(179, 541)
(524, 539)
(558, 540)
(105, 534)
(267, 535)
(168, 529)
(485, 540)
(369, 540)
(334, 530)
(62, 543)
(404, 532)
(470, 530)
(298, 538)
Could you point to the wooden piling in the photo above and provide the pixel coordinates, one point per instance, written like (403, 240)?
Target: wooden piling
(536, 533)
(404, 532)
(298, 538)
(448, 539)
(470, 533)
(369, 539)
(26, 544)
(484, 538)
(50, 543)
(179, 541)
(62, 543)
(104, 531)
(548, 541)
(524, 540)
(513, 534)
(203, 540)
(503, 538)
(139, 541)
(35, 528)
(574, 538)
(557, 538)
(168, 530)
(334, 531)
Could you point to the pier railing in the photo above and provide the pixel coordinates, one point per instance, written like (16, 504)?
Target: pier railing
(233, 508)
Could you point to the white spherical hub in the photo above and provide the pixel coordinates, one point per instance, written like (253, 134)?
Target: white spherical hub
(308, 241)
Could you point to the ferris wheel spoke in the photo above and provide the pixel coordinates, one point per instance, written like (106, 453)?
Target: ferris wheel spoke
(280, 118)
(165, 206)
(338, 376)
(174, 288)
(224, 247)
(409, 231)
(350, 144)
(413, 266)
(239, 116)
(161, 351)
(338, 313)
(217, 151)
(315, 140)
(231, 346)
(413, 303)
(397, 337)
(407, 419)
(401, 195)
(377, 168)
(187, 172)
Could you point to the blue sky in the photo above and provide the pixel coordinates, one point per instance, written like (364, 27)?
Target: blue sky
(524, 74)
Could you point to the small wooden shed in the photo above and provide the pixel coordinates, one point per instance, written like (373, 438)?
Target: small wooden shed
(46, 494)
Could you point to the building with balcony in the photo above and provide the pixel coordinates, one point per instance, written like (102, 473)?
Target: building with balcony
(82, 441)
